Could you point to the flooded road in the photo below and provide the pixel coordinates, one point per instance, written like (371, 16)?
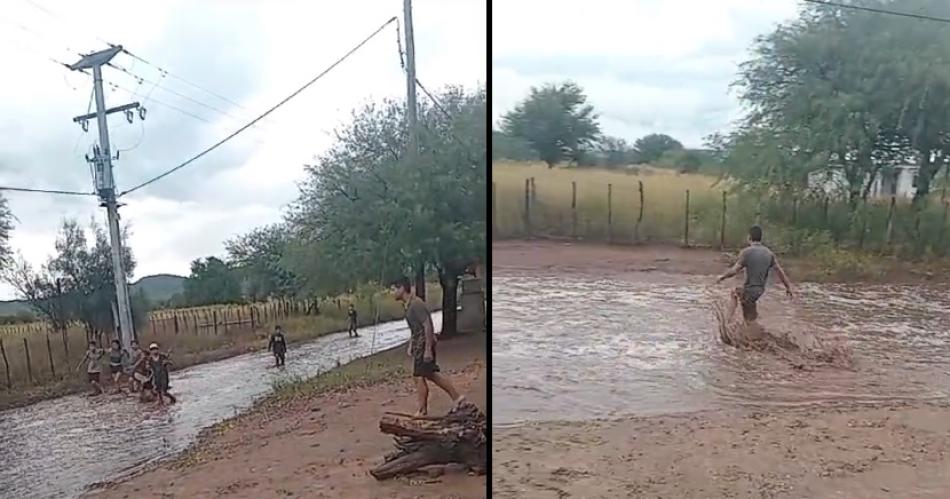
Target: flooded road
(57, 448)
(572, 347)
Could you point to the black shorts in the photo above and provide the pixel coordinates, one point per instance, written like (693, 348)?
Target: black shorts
(93, 377)
(421, 368)
(115, 369)
(748, 300)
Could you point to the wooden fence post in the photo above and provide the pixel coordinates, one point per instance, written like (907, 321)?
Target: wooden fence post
(494, 220)
(527, 207)
(6, 365)
(610, 213)
(62, 333)
(176, 323)
(214, 321)
(636, 228)
(686, 222)
(29, 364)
(889, 236)
(49, 353)
(943, 224)
(574, 209)
(722, 224)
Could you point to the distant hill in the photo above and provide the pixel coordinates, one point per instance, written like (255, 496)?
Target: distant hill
(157, 288)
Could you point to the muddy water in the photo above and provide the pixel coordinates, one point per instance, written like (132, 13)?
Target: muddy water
(57, 448)
(579, 347)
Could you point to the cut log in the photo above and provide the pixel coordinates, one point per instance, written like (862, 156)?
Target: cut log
(457, 437)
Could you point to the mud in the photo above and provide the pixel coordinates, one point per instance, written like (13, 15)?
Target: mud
(611, 379)
(59, 447)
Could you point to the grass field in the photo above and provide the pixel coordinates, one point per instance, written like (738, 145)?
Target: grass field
(792, 225)
(189, 347)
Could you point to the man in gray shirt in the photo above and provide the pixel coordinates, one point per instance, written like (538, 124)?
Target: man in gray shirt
(758, 261)
(422, 342)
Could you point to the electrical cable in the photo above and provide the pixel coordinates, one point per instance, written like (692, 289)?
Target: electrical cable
(878, 11)
(262, 116)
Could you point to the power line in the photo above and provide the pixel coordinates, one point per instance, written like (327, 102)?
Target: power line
(45, 191)
(179, 94)
(262, 116)
(879, 11)
(162, 71)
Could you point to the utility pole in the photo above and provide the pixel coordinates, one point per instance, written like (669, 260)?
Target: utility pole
(105, 181)
(411, 122)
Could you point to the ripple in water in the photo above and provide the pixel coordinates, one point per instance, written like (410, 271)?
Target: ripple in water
(567, 348)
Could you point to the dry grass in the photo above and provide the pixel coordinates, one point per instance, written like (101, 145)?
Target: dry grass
(188, 347)
(664, 204)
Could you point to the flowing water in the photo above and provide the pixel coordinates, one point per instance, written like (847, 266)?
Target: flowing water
(57, 448)
(572, 347)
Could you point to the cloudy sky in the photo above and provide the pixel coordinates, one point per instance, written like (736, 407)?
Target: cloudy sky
(253, 53)
(647, 65)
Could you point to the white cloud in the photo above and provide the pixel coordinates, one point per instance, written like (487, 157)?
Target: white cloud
(253, 52)
(646, 66)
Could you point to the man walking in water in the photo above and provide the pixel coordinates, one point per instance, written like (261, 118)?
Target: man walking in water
(278, 345)
(757, 260)
(422, 344)
(351, 329)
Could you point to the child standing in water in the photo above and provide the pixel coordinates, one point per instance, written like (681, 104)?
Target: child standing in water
(159, 364)
(118, 359)
(757, 260)
(278, 345)
(93, 358)
(351, 328)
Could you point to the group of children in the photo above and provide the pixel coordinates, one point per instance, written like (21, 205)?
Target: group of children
(146, 372)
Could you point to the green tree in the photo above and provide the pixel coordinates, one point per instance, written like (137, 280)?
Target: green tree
(76, 284)
(617, 152)
(556, 121)
(369, 213)
(212, 282)
(651, 147)
(258, 257)
(504, 146)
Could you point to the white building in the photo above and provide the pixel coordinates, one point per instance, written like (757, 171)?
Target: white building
(901, 181)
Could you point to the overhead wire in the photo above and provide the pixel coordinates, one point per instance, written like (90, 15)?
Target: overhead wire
(263, 115)
(878, 10)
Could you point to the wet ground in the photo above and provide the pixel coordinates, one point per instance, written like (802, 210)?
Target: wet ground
(577, 346)
(58, 447)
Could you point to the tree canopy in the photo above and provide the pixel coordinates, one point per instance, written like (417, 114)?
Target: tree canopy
(212, 281)
(652, 147)
(369, 211)
(556, 121)
(846, 94)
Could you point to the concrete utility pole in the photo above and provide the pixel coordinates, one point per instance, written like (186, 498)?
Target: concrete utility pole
(410, 78)
(411, 121)
(105, 183)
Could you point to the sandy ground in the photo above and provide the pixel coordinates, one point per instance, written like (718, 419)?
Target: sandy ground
(831, 452)
(828, 453)
(634, 261)
(319, 446)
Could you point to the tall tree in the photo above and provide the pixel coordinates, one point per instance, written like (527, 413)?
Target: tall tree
(370, 215)
(258, 257)
(76, 283)
(556, 121)
(652, 147)
(212, 282)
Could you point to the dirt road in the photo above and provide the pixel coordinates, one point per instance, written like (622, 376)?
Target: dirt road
(830, 451)
(321, 445)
